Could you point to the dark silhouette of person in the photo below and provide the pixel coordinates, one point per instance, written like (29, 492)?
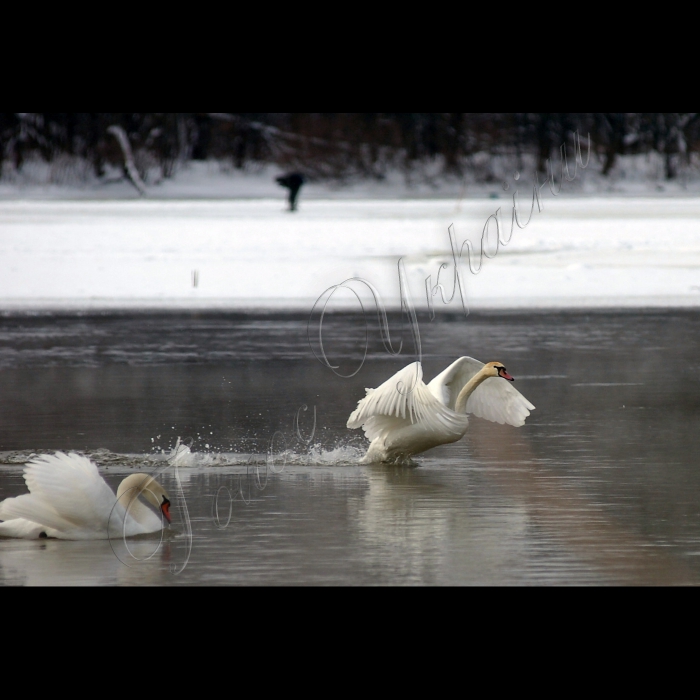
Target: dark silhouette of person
(293, 182)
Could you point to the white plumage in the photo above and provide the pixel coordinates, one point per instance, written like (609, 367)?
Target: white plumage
(404, 416)
(68, 499)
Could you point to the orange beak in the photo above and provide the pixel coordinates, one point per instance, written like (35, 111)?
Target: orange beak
(166, 509)
(505, 375)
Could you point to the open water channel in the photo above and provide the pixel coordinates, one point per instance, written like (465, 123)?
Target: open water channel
(600, 486)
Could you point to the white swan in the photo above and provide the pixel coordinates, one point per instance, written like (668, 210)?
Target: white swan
(68, 499)
(403, 416)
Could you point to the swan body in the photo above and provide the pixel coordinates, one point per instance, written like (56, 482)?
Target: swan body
(68, 499)
(404, 416)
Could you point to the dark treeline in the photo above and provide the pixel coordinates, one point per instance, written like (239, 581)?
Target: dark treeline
(326, 145)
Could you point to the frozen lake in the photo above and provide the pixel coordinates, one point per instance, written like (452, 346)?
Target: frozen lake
(576, 252)
(125, 324)
(600, 486)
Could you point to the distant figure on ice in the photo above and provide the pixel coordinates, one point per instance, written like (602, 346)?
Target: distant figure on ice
(293, 181)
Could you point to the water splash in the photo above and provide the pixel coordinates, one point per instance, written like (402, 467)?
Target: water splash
(181, 455)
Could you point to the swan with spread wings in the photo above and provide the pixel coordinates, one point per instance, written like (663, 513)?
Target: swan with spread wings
(404, 416)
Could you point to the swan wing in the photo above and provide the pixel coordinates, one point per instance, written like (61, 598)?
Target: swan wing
(68, 489)
(381, 426)
(29, 507)
(403, 399)
(496, 399)
(447, 385)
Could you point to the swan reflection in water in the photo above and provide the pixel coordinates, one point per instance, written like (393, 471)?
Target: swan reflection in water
(423, 526)
(492, 515)
(53, 562)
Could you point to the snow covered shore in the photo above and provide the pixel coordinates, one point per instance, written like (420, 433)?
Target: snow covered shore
(252, 253)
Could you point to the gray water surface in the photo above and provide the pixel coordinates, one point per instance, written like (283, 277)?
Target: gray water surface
(600, 486)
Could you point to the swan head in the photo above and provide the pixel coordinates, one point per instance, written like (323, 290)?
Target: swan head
(497, 369)
(144, 485)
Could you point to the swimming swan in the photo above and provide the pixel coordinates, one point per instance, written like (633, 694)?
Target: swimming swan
(403, 416)
(68, 499)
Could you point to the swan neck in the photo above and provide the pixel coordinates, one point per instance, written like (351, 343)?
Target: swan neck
(128, 495)
(468, 390)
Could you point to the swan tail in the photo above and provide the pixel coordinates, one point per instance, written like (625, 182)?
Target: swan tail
(24, 529)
